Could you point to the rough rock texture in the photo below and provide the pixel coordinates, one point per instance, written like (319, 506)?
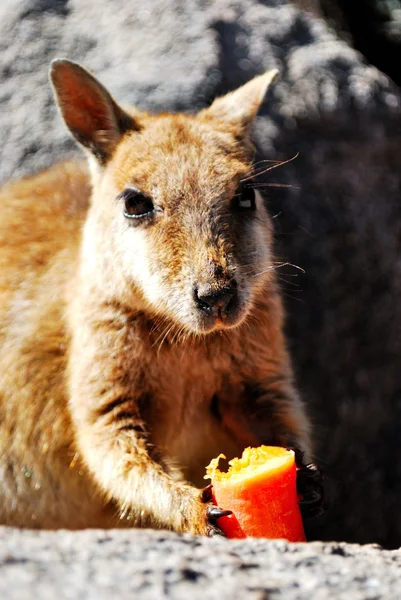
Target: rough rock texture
(149, 565)
(373, 27)
(340, 221)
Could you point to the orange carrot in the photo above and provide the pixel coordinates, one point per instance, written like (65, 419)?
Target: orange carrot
(260, 489)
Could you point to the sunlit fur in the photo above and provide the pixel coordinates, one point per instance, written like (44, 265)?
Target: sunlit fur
(115, 389)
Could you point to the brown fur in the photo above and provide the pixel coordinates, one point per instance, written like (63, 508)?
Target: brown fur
(115, 391)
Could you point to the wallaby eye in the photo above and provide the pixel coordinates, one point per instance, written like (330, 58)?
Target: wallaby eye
(136, 204)
(244, 199)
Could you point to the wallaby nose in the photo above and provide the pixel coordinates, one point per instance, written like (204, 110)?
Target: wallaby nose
(216, 301)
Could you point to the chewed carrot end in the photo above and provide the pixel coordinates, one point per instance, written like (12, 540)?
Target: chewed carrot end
(260, 489)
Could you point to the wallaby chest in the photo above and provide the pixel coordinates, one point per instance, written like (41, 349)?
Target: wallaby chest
(188, 385)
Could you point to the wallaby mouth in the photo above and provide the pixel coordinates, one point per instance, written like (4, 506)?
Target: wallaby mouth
(219, 308)
(217, 302)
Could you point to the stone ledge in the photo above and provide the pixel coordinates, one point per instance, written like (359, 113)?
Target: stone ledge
(144, 564)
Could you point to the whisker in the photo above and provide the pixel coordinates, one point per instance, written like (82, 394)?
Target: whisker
(292, 283)
(288, 264)
(293, 297)
(278, 185)
(179, 336)
(264, 271)
(259, 162)
(162, 337)
(279, 164)
(274, 267)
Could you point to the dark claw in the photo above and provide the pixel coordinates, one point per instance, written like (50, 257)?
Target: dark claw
(214, 513)
(207, 493)
(299, 456)
(310, 487)
(312, 472)
(312, 497)
(310, 481)
(313, 511)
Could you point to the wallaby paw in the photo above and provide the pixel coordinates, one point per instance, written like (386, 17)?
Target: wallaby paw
(209, 514)
(214, 513)
(310, 487)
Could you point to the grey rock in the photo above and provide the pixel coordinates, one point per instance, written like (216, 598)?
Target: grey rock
(340, 221)
(148, 565)
(373, 27)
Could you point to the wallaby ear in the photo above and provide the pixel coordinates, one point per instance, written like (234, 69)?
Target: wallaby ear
(89, 111)
(239, 108)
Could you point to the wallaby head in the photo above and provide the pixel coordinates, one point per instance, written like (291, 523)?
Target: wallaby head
(174, 225)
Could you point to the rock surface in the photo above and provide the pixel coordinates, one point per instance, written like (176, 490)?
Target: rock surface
(373, 27)
(340, 221)
(150, 565)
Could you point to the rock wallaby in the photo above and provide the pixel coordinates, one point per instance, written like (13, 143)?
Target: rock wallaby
(141, 324)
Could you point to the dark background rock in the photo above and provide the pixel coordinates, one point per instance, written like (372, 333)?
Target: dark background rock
(373, 27)
(150, 565)
(340, 222)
